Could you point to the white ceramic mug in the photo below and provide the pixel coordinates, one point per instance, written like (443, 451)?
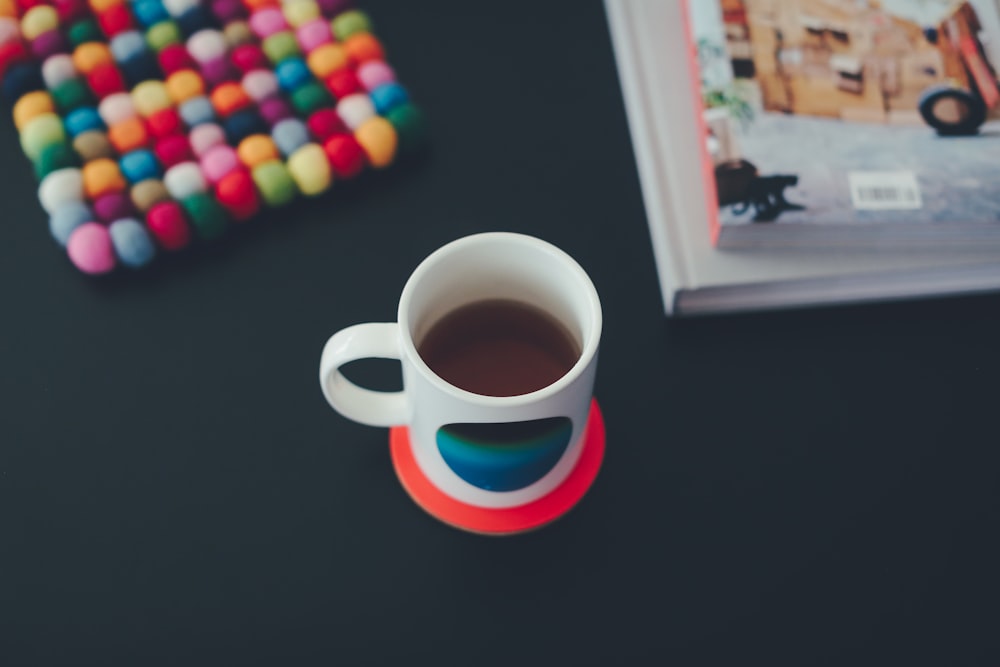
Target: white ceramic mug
(540, 434)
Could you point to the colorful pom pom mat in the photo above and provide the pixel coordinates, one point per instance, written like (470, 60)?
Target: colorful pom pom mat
(510, 520)
(153, 125)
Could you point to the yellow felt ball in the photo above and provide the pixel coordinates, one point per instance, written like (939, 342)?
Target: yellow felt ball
(327, 59)
(151, 96)
(38, 20)
(298, 12)
(256, 150)
(184, 84)
(378, 138)
(31, 106)
(41, 131)
(310, 169)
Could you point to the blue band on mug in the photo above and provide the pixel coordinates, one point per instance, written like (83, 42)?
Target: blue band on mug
(504, 457)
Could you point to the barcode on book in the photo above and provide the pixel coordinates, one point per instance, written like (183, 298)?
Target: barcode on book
(884, 190)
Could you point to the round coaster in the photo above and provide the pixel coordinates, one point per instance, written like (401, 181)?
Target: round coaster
(509, 520)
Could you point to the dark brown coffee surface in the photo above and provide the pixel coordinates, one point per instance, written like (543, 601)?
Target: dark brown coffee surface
(499, 348)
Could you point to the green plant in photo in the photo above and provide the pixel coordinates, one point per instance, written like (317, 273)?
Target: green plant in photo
(717, 92)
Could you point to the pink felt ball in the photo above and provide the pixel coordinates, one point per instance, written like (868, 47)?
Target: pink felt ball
(206, 136)
(375, 73)
(265, 22)
(219, 161)
(313, 34)
(90, 248)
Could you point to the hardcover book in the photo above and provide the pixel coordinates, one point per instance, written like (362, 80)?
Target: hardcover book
(679, 143)
(851, 122)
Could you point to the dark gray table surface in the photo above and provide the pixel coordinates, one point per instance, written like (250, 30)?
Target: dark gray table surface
(804, 488)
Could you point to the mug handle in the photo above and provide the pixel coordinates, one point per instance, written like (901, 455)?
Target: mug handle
(378, 340)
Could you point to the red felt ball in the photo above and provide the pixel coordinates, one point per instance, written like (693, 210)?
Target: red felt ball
(167, 224)
(248, 57)
(70, 11)
(164, 123)
(25, 5)
(343, 82)
(236, 192)
(172, 150)
(115, 19)
(346, 155)
(106, 79)
(325, 123)
(10, 53)
(174, 58)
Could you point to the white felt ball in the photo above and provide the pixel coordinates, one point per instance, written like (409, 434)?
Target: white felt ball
(260, 84)
(177, 7)
(58, 69)
(115, 108)
(60, 187)
(206, 45)
(184, 180)
(355, 109)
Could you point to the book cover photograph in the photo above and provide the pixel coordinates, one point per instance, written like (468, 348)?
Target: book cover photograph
(846, 121)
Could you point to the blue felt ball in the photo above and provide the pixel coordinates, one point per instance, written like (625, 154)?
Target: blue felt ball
(388, 96)
(131, 242)
(292, 73)
(289, 135)
(82, 120)
(127, 45)
(196, 111)
(149, 12)
(242, 124)
(67, 217)
(139, 165)
(22, 78)
(194, 19)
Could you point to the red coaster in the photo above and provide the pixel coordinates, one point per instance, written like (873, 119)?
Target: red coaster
(509, 520)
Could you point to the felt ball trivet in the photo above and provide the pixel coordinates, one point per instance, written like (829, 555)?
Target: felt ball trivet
(154, 125)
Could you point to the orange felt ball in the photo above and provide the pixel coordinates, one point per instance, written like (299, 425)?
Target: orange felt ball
(101, 6)
(254, 5)
(31, 105)
(229, 97)
(101, 177)
(257, 149)
(362, 47)
(327, 59)
(184, 84)
(89, 55)
(129, 134)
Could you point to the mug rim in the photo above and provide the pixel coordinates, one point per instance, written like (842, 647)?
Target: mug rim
(587, 354)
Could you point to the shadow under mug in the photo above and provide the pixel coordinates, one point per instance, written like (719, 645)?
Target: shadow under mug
(486, 451)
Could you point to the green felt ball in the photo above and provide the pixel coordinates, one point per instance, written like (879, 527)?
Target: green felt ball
(53, 157)
(280, 45)
(206, 214)
(274, 183)
(349, 23)
(163, 34)
(83, 31)
(72, 94)
(410, 126)
(43, 131)
(309, 98)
